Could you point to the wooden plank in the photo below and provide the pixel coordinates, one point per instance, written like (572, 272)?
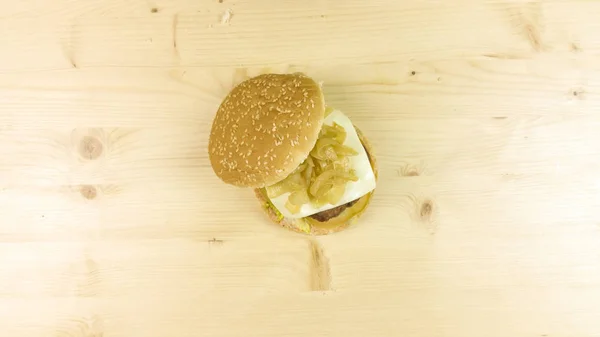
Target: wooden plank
(484, 120)
(191, 34)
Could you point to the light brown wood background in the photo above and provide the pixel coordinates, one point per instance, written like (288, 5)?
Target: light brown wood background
(485, 117)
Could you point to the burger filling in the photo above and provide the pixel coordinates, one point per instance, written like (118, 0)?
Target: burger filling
(335, 175)
(332, 213)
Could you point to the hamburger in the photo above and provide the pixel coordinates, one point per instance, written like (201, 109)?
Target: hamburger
(310, 167)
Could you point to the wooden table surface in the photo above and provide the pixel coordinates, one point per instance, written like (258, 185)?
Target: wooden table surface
(484, 116)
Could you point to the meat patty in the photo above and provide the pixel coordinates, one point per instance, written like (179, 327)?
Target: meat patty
(332, 213)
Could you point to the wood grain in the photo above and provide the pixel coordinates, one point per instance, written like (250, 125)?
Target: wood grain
(484, 120)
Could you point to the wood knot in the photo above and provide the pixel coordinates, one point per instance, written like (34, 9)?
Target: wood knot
(409, 170)
(90, 148)
(578, 93)
(89, 143)
(88, 192)
(214, 241)
(426, 210)
(425, 214)
(411, 173)
(574, 47)
(319, 270)
(528, 19)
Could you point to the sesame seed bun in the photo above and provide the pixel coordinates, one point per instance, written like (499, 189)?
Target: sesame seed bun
(265, 128)
(312, 227)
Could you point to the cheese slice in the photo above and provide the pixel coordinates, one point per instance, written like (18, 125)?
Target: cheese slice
(360, 163)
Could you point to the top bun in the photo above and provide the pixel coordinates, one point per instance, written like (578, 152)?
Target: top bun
(265, 128)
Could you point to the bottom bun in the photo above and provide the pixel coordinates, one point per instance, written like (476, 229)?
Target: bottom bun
(311, 226)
